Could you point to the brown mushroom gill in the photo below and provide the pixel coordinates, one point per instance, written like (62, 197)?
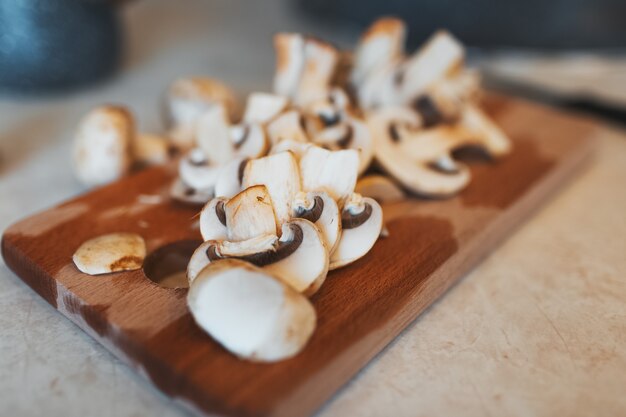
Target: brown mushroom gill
(311, 214)
(345, 140)
(442, 169)
(352, 221)
(282, 250)
(427, 108)
(242, 168)
(239, 143)
(220, 213)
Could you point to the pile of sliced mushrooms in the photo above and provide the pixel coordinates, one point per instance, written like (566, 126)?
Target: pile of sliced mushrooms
(292, 188)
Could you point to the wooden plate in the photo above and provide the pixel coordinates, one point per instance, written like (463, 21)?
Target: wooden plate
(361, 308)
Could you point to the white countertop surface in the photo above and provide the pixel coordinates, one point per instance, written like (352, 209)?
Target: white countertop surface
(538, 329)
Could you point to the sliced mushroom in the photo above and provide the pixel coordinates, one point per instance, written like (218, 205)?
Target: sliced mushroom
(188, 98)
(228, 181)
(289, 63)
(250, 214)
(299, 258)
(380, 188)
(214, 135)
(361, 224)
(279, 173)
(110, 253)
(250, 312)
(320, 61)
(383, 42)
(332, 171)
(213, 220)
(484, 132)
(182, 193)
(438, 58)
(250, 140)
(102, 144)
(287, 126)
(263, 107)
(417, 158)
(320, 209)
(195, 171)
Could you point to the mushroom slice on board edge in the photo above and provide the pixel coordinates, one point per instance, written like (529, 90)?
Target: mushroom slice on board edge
(361, 225)
(299, 257)
(250, 312)
(110, 253)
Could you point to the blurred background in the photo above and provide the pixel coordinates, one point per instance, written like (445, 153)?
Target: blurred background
(60, 58)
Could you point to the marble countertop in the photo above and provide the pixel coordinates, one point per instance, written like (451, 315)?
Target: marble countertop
(538, 329)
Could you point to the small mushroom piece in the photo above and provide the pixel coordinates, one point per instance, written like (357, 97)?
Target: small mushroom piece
(287, 126)
(214, 135)
(383, 42)
(332, 171)
(250, 312)
(263, 107)
(320, 209)
(110, 253)
(380, 188)
(150, 149)
(279, 173)
(250, 214)
(320, 61)
(289, 63)
(228, 181)
(299, 258)
(361, 225)
(213, 220)
(102, 146)
(438, 58)
(182, 193)
(417, 159)
(249, 140)
(484, 132)
(195, 171)
(187, 98)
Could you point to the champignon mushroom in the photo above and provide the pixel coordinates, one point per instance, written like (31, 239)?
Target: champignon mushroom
(320, 209)
(196, 172)
(361, 225)
(110, 253)
(250, 312)
(332, 171)
(187, 98)
(148, 149)
(380, 188)
(228, 181)
(287, 126)
(289, 63)
(182, 193)
(213, 220)
(102, 144)
(299, 257)
(263, 107)
(250, 213)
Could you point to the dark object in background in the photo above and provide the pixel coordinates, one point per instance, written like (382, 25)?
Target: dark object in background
(489, 23)
(53, 45)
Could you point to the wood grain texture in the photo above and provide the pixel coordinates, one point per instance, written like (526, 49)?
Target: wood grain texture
(361, 308)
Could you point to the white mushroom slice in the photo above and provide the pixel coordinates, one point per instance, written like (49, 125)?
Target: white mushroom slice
(361, 140)
(242, 248)
(110, 253)
(299, 258)
(263, 107)
(297, 148)
(413, 158)
(485, 132)
(150, 149)
(102, 144)
(332, 171)
(188, 98)
(382, 42)
(287, 126)
(380, 188)
(214, 135)
(196, 172)
(213, 220)
(279, 173)
(289, 63)
(320, 209)
(361, 225)
(320, 61)
(334, 137)
(249, 140)
(438, 58)
(249, 312)
(183, 193)
(381, 88)
(250, 214)
(228, 181)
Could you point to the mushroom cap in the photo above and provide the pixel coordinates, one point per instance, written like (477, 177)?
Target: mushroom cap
(362, 222)
(102, 152)
(250, 312)
(110, 253)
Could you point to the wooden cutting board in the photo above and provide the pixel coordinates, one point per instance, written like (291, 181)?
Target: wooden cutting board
(361, 308)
